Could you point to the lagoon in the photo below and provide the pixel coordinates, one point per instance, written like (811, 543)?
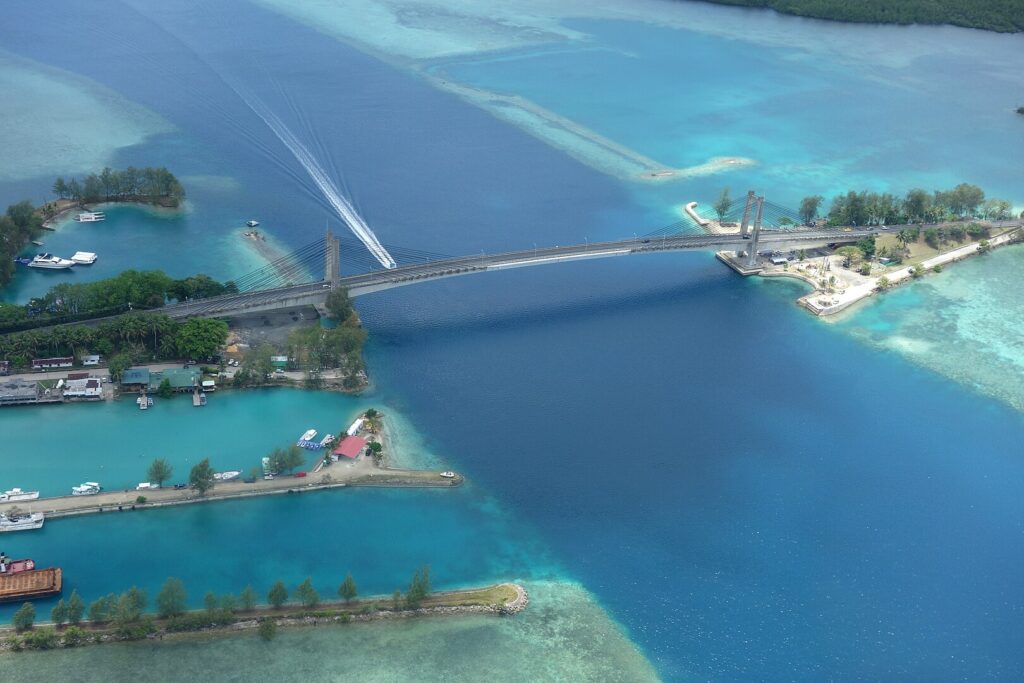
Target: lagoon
(748, 492)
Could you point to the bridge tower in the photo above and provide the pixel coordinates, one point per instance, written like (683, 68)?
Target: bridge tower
(746, 212)
(332, 259)
(756, 234)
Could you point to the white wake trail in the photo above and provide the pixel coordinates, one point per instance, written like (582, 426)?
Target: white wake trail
(341, 205)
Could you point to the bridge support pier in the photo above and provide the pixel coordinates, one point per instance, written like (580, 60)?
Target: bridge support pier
(755, 236)
(746, 212)
(332, 259)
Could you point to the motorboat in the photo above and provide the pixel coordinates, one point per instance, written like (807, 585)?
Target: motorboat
(144, 402)
(252, 224)
(84, 258)
(17, 494)
(37, 243)
(326, 440)
(448, 474)
(227, 476)
(89, 488)
(20, 521)
(308, 435)
(91, 217)
(50, 261)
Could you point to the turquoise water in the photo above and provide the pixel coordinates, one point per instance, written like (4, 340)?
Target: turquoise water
(114, 442)
(966, 323)
(749, 493)
(562, 636)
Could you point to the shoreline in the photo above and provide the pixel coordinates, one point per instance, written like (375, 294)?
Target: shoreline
(500, 599)
(824, 304)
(362, 472)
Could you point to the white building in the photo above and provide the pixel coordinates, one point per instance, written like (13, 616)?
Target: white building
(83, 388)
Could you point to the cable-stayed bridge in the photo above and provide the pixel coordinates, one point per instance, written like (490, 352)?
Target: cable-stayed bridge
(295, 280)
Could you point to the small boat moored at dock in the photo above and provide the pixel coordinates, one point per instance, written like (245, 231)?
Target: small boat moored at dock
(37, 243)
(9, 566)
(20, 521)
(84, 258)
(89, 488)
(144, 402)
(252, 223)
(50, 261)
(17, 494)
(448, 474)
(306, 440)
(230, 475)
(91, 217)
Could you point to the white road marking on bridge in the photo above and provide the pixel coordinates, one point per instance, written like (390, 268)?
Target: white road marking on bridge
(556, 259)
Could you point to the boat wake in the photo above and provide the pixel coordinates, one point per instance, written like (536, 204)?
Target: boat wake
(319, 175)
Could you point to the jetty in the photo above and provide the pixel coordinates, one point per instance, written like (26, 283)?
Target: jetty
(37, 583)
(333, 478)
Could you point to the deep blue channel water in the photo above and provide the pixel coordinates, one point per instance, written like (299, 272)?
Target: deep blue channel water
(750, 493)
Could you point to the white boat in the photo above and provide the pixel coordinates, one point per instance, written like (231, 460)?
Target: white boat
(89, 488)
(252, 223)
(20, 521)
(17, 494)
(227, 476)
(308, 435)
(144, 402)
(448, 475)
(90, 216)
(37, 243)
(146, 486)
(84, 258)
(49, 261)
(326, 440)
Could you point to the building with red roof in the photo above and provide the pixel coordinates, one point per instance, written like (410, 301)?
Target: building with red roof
(350, 447)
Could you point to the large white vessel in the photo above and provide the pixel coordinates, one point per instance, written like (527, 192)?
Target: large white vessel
(20, 521)
(17, 494)
(227, 476)
(89, 488)
(91, 216)
(84, 258)
(49, 261)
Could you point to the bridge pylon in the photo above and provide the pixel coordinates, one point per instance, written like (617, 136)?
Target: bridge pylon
(756, 234)
(751, 199)
(332, 259)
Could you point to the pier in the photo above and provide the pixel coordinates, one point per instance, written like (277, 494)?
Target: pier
(124, 500)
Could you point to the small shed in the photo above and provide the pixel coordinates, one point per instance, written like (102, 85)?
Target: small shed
(5, 367)
(209, 385)
(351, 447)
(90, 360)
(279, 361)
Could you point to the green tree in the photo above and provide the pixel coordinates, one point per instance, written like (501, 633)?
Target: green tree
(59, 613)
(117, 364)
(74, 636)
(722, 205)
(339, 305)
(201, 477)
(165, 390)
(278, 594)
(347, 590)
(229, 603)
(102, 609)
(201, 337)
(419, 587)
(883, 283)
(76, 608)
(159, 471)
(248, 598)
(172, 598)
(60, 188)
(24, 618)
(809, 208)
(307, 594)
(130, 606)
(267, 629)
(210, 601)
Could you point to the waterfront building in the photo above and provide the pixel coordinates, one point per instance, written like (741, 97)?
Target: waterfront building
(18, 391)
(180, 379)
(89, 388)
(135, 379)
(350, 447)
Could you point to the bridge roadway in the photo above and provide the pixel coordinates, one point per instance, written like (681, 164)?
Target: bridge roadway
(380, 280)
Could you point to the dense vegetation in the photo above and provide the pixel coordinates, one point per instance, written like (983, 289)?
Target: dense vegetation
(131, 290)
(151, 185)
(993, 15)
(18, 225)
(918, 206)
(123, 341)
